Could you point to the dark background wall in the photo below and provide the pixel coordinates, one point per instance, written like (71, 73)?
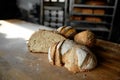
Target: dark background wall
(115, 37)
(29, 10)
(8, 9)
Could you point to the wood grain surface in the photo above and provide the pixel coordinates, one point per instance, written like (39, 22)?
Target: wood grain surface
(17, 63)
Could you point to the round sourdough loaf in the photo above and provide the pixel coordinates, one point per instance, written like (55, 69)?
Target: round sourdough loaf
(75, 57)
(41, 40)
(67, 31)
(86, 38)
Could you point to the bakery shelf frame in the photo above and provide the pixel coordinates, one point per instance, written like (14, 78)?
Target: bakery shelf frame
(54, 12)
(107, 19)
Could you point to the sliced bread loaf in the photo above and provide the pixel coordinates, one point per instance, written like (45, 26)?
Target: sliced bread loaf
(41, 40)
(74, 57)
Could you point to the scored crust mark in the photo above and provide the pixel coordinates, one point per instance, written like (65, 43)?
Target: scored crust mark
(71, 61)
(85, 62)
(59, 29)
(70, 33)
(63, 30)
(67, 31)
(68, 44)
(90, 60)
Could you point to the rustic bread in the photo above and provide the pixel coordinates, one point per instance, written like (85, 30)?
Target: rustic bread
(74, 57)
(99, 11)
(93, 19)
(67, 31)
(86, 37)
(94, 3)
(41, 40)
(87, 11)
(76, 18)
(76, 9)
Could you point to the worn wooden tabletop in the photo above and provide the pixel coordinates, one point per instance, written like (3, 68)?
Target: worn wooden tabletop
(17, 63)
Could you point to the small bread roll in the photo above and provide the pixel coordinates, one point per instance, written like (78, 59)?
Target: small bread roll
(86, 38)
(67, 31)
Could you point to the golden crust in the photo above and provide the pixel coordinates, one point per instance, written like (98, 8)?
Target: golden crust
(67, 31)
(71, 61)
(77, 58)
(86, 38)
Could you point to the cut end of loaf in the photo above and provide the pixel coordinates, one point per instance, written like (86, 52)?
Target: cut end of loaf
(41, 40)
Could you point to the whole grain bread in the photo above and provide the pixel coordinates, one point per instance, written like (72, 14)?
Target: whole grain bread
(41, 40)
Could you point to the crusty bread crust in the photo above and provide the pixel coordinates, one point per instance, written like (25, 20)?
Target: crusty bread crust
(71, 61)
(86, 38)
(67, 31)
(75, 57)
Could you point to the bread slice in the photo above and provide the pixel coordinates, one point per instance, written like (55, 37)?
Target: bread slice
(54, 55)
(51, 53)
(41, 40)
(58, 56)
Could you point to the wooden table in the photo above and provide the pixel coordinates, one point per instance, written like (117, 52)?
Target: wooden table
(17, 63)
